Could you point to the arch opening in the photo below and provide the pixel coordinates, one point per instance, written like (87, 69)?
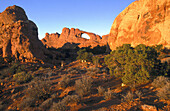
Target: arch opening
(84, 35)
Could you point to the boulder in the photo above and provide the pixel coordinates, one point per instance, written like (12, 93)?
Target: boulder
(19, 36)
(142, 22)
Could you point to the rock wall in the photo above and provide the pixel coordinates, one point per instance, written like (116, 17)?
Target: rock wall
(142, 22)
(72, 35)
(19, 36)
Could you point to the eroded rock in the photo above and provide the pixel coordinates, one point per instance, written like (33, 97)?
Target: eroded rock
(19, 36)
(142, 22)
(73, 36)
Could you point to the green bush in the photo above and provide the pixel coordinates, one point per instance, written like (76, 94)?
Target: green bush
(84, 56)
(83, 86)
(22, 77)
(134, 66)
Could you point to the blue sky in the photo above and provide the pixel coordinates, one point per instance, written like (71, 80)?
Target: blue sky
(52, 16)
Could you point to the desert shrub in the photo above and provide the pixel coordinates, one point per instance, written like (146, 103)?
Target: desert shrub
(101, 90)
(160, 81)
(94, 69)
(21, 68)
(96, 61)
(12, 69)
(84, 56)
(1, 60)
(27, 102)
(108, 94)
(60, 106)
(22, 77)
(103, 109)
(164, 92)
(39, 88)
(134, 66)
(139, 94)
(73, 70)
(128, 97)
(46, 104)
(71, 99)
(83, 86)
(65, 81)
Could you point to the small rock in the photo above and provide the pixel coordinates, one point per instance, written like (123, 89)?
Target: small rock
(148, 108)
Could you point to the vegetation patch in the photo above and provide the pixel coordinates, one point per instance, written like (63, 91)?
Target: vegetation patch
(134, 66)
(83, 86)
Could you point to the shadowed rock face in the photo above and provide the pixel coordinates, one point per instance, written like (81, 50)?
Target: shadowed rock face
(73, 36)
(142, 22)
(19, 36)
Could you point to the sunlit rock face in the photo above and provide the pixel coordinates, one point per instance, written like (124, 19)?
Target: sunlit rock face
(72, 35)
(19, 36)
(142, 22)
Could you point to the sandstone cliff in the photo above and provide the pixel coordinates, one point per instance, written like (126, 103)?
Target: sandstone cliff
(72, 35)
(142, 22)
(19, 36)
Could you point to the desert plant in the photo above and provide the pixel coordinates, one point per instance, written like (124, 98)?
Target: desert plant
(101, 90)
(39, 88)
(60, 106)
(27, 102)
(96, 60)
(46, 104)
(128, 97)
(83, 86)
(139, 94)
(108, 94)
(1, 60)
(164, 92)
(22, 77)
(73, 70)
(71, 99)
(65, 81)
(13, 68)
(160, 81)
(134, 66)
(84, 56)
(21, 68)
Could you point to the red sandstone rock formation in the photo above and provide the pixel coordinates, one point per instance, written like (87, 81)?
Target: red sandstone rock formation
(142, 22)
(19, 36)
(73, 36)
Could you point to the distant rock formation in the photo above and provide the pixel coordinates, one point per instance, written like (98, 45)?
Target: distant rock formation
(142, 22)
(72, 35)
(19, 36)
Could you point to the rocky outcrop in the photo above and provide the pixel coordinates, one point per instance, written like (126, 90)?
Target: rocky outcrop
(72, 35)
(19, 36)
(142, 22)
